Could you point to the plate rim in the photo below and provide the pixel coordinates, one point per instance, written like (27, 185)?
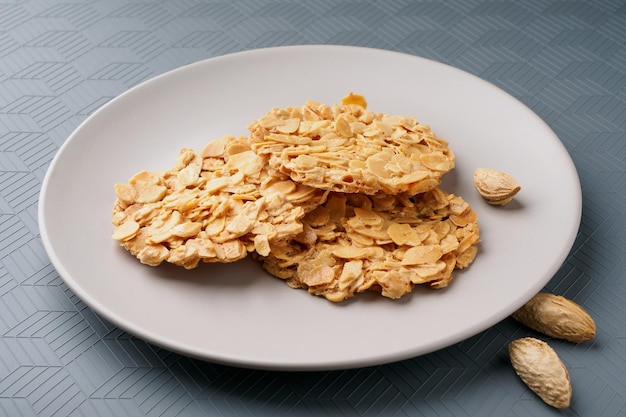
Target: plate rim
(111, 316)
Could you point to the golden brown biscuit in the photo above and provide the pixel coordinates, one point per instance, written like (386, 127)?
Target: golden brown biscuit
(213, 206)
(354, 243)
(346, 148)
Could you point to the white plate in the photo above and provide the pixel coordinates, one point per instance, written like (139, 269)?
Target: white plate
(237, 314)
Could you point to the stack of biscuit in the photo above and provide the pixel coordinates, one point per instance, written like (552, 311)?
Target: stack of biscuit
(337, 200)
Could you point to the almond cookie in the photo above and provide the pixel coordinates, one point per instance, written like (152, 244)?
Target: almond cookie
(214, 206)
(354, 243)
(347, 148)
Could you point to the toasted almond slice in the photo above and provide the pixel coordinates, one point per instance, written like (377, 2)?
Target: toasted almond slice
(126, 230)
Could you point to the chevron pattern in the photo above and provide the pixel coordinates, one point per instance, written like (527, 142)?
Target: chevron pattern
(60, 60)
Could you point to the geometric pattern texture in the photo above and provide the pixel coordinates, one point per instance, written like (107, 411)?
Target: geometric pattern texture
(62, 59)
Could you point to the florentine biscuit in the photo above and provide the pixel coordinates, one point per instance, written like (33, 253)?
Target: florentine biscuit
(347, 148)
(355, 243)
(213, 206)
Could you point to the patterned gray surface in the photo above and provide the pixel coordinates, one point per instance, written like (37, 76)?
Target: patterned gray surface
(62, 59)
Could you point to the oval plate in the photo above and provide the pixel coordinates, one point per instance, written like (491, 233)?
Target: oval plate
(237, 314)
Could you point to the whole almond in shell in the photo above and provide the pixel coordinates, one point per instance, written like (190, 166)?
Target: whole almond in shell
(496, 187)
(558, 317)
(540, 368)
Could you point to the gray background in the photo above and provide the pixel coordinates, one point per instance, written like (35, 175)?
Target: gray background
(62, 59)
